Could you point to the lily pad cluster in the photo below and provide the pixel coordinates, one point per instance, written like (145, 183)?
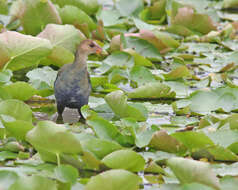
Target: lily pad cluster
(163, 111)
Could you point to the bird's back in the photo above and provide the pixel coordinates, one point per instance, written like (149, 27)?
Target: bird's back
(72, 86)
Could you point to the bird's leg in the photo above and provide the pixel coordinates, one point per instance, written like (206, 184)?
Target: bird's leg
(60, 110)
(82, 119)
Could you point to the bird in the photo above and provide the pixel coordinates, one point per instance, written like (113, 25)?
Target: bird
(72, 86)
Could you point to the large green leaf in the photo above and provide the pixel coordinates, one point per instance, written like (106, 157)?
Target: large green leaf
(53, 138)
(127, 8)
(43, 80)
(34, 182)
(230, 3)
(66, 36)
(77, 17)
(152, 90)
(20, 90)
(164, 142)
(66, 174)
(17, 128)
(16, 109)
(7, 178)
(117, 101)
(90, 7)
(191, 171)
(22, 50)
(114, 179)
(100, 147)
(35, 14)
(64, 39)
(125, 159)
(141, 75)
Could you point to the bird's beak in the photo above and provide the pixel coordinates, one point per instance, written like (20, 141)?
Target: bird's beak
(98, 50)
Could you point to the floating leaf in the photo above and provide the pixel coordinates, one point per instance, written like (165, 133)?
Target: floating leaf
(32, 14)
(124, 159)
(53, 138)
(7, 178)
(20, 90)
(66, 36)
(119, 179)
(61, 37)
(152, 90)
(35, 182)
(127, 8)
(77, 17)
(141, 75)
(22, 50)
(90, 7)
(66, 174)
(191, 171)
(118, 103)
(164, 142)
(21, 110)
(100, 147)
(43, 80)
(196, 22)
(177, 73)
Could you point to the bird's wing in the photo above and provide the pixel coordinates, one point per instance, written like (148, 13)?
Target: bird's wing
(58, 74)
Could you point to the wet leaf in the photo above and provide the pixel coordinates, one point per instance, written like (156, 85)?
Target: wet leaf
(164, 142)
(75, 16)
(141, 75)
(21, 110)
(119, 179)
(152, 90)
(100, 147)
(66, 174)
(33, 182)
(177, 73)
(20, 90)
(190, 171)
(90, 7)
(22, 50)
(7, 178)
(53, 138)
(32, 15)
(118, 103)
(128, 8)
(196, 22)
(124, 159)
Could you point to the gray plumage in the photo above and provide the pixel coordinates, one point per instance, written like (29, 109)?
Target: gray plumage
(72, 85)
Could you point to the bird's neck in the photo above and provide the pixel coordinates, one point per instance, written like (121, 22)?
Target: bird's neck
(80, 59)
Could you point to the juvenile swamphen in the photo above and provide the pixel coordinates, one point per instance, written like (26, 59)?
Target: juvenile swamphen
(72, 85)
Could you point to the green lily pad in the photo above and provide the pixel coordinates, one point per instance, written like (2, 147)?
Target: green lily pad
(20, 90)
(100, 147)
(117, 101)
(53, 138)
(152, 90)
(22, 51)
(32, 14)
(21, 110)
(33, 182)
(90, 7)
(119, 179)
(125, 159)
(75, 16)
(7, 178)
(66, 174)
(191, 171)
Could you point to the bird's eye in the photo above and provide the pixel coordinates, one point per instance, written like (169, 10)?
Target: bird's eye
(91, 45)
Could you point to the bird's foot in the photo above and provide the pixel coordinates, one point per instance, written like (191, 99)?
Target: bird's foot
(82, 120)
(59, 119)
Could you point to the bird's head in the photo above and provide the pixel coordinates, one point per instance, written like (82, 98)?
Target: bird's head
(89, 47)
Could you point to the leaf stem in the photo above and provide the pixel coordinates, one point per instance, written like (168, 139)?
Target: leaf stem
(58, 159)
